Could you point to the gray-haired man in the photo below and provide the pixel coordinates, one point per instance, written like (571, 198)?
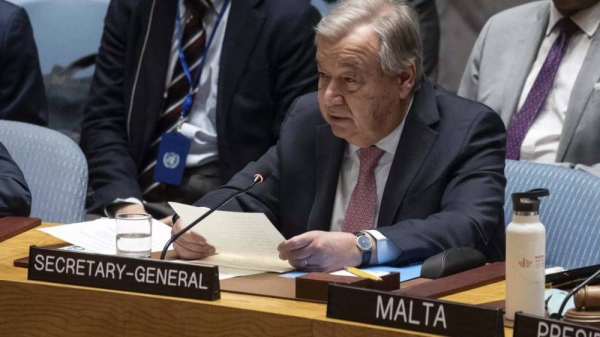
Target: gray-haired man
(378, 166)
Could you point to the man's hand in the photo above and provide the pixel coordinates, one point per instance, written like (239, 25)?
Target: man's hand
(321, 251)
(126, 208)
(191, 245)
(167, 221)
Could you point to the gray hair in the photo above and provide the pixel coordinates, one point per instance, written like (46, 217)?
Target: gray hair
(396, 23)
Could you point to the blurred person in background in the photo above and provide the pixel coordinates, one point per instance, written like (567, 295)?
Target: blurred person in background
(209, 81)
(538, 66)
(22, 95)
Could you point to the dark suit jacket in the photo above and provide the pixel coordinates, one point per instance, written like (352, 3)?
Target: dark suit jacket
(267, 61)
(22, 95)
(445, 188)
(15, 199)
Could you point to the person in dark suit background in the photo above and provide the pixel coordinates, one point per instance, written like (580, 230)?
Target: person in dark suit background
(22, 95)
(379, 166)
(15, 199)
(261, 58)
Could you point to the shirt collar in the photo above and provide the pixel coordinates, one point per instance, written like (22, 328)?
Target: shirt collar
(587, 20)
(390, 142)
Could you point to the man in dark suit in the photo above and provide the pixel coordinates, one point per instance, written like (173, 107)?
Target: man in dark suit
(255, 57)
(15, 199)
(22, 95)
(378, 166)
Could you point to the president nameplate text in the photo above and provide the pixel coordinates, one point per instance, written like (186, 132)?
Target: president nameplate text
(529, 325)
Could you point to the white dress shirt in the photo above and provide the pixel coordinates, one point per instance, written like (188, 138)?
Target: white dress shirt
(386, 250)
(542, 139)
(201, 127)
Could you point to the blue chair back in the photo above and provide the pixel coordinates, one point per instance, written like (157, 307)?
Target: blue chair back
(322, 6)
(54, 167)
(65, 30)
(571, 213)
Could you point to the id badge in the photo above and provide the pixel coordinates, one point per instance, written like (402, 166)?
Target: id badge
(172, 154)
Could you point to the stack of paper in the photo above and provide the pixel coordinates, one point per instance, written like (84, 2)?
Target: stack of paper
(246, 241)
(242, 240)
(99, 236)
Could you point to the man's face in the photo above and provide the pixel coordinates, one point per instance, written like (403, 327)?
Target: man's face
(570, 7)
(360, 102)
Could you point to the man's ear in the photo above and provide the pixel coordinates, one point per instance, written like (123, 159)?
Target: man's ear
(406, 80)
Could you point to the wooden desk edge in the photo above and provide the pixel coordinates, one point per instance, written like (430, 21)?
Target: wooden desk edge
(243, 304)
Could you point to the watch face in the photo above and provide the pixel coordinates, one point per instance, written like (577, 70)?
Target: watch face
(364, 242)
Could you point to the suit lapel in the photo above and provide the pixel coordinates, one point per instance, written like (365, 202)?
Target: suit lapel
(529, 36)
(580, 95)
(244, 25)
(414, 146)
(330, 153)
(150, 84)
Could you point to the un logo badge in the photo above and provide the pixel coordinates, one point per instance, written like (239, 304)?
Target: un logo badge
(171, 160)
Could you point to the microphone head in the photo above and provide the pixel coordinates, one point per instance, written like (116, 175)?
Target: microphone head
(262, 174)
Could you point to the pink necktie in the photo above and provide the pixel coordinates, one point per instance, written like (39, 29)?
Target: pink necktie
(360, 214)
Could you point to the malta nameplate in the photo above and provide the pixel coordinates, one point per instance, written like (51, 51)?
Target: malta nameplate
(528, 325)
(413, 313)
(122, 273)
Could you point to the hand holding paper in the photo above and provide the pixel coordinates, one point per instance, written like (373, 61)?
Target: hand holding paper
(241, 240)
(321, 251)
(191, 245)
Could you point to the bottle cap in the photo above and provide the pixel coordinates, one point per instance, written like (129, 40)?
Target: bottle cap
(528, 201)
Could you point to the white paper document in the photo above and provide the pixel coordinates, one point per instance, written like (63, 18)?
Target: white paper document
(241, 240)
(227, 273)
(99, 236)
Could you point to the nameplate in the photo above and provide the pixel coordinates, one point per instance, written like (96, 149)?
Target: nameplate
(123, 273)
(413, 313)
(527, 325)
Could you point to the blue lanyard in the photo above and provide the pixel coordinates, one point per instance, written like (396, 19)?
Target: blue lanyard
(187, 104)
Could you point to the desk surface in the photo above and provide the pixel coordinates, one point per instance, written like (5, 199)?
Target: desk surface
(31, 308)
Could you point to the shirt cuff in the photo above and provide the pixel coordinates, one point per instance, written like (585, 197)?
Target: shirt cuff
(130, 200)
(386, 250)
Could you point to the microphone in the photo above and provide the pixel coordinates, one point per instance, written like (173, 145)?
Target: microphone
(261, 175)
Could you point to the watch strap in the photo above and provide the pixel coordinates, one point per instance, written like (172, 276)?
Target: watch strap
(366, 254)
(366, 257)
